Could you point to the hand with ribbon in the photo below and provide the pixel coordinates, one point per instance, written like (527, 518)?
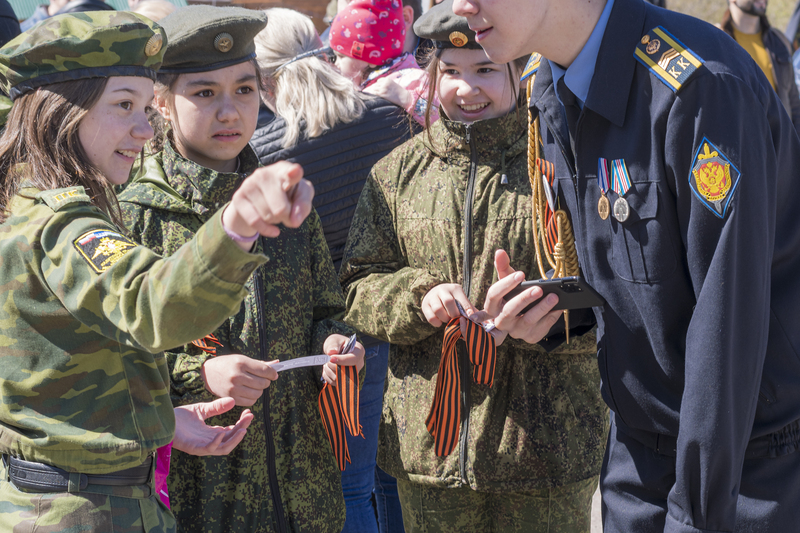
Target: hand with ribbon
(533, 325)
(338, 400)
(237, 376)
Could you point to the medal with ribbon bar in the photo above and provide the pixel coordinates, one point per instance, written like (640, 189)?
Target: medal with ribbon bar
(620, 183)
(603, 205)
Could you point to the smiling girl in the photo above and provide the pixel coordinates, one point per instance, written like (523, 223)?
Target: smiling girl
(84, 391)
(426, 234)
(283, 473)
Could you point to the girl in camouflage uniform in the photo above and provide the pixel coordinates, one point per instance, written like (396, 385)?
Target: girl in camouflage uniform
(83, 390)
(283, 477)
(431, 217)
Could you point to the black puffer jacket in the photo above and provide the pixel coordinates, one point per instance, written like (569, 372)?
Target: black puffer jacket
(337, 162)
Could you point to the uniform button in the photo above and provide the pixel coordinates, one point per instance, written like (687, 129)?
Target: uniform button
(248, 266)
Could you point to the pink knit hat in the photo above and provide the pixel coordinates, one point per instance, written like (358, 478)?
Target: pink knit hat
(369, 30)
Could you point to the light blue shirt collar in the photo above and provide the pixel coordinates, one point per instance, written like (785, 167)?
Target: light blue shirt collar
(578, 77)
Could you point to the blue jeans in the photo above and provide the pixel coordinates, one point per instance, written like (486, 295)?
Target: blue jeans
(362, 476)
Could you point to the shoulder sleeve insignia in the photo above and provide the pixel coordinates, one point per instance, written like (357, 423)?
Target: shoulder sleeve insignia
(532, 66)
(667, 58)
(102, 248)
(714, 178)
(59, 198)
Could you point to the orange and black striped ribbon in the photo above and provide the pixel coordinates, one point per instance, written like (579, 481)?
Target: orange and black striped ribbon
(444, 419)
(207, 344)
(549, 172)
(338, 406)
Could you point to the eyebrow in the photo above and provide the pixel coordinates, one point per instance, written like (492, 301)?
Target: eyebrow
(478, 64)
(134, 92)
(208, 83)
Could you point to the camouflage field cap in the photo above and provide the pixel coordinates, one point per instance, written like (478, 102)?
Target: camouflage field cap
(74, 46)
(445, 28)
(203, 38)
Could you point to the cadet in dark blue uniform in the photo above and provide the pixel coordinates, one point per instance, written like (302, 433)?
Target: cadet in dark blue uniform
(679, 168)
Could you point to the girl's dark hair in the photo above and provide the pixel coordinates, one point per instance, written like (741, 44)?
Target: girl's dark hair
(165, 83)
(514, 68)
(41, 145)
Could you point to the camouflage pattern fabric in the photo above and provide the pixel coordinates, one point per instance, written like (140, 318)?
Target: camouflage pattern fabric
(81, 45)
(135, 509)
(80, 386)
(565, 509)
(543, 423)
(299, 300)
(5, 109)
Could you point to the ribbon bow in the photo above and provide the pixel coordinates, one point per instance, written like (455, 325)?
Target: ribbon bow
(338, 406)
(444, 419)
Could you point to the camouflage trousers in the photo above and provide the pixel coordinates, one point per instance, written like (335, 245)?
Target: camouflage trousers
(96, 509)
(564, 509)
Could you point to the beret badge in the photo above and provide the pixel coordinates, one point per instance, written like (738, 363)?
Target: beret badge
(223, 42)
(458, 39)
(153, 45)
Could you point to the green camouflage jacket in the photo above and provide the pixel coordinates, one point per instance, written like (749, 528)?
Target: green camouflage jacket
(290, 311)
(83, 312)
(543, 422)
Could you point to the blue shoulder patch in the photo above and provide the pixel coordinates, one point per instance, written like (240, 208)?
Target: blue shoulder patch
(532, 66)
(667, 58)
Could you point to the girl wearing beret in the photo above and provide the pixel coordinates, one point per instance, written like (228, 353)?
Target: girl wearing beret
(367, 38)
(84, 399)
(283, 477)
(435, 218)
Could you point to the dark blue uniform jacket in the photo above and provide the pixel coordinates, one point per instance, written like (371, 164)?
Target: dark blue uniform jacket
(700, 336)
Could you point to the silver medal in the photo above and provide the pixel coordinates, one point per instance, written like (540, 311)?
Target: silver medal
(621, 209)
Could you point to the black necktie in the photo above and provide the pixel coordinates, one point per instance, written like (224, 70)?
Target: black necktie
(571, 110)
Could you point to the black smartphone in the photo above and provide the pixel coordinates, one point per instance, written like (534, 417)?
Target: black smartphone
(573, 293)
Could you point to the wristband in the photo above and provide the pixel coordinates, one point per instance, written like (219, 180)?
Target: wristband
(238, 238)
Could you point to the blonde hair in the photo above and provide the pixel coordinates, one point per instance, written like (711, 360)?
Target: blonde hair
(155, 10)
(307, 91)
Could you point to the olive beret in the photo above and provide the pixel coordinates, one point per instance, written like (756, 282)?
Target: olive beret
(445, 28)
(74, 46)
(203, 38)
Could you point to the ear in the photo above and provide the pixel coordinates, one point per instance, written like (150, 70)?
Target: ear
(408, 17)
(160, 103)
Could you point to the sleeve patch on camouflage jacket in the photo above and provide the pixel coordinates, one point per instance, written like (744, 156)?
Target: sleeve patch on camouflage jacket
(102, 248)
(58, 198)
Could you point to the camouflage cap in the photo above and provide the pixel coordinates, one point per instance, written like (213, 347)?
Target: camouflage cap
(203, 38)
(445, 28)
(73, 46)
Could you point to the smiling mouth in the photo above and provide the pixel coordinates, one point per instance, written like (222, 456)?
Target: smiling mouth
(480, 33)
(474, 107)
(128, 153)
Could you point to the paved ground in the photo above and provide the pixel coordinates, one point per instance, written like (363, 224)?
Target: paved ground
(597, 526)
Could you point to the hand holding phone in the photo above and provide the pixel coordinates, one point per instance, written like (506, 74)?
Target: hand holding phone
(573, 293)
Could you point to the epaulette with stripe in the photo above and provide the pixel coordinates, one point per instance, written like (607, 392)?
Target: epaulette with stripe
(59, 198)
(667, 58)
(532, 66)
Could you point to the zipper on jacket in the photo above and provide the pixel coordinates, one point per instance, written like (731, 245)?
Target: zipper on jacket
(463, 363)
(573, 170)
(272, 473)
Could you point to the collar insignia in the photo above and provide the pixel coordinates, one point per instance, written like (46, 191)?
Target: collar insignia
(714, 178)
(667, 58)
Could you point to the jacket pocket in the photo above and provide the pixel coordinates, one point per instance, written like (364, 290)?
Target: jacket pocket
(641, 247)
